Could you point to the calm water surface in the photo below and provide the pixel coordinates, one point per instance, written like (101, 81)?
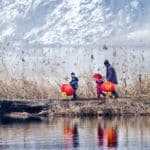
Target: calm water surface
(77, 133)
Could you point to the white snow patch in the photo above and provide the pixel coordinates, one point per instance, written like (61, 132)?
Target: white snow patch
(8, 32)
(140, 35)
(134, 4)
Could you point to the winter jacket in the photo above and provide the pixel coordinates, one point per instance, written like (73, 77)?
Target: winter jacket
(74, 82)
(111, 74)
(99, 82)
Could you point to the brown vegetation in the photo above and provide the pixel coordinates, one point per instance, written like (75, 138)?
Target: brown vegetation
(29, 89)
(15, 83)
(97, 107)
(26, 89)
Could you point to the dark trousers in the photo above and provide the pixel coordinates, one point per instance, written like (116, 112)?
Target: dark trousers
(115, 94)
(75, 94)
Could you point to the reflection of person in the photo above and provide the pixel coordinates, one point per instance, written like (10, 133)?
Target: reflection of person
(112, 137)
(71, 135)
(100, 135)
(68, 134)
(111, 76)
(74, 84)
(107, 135)
(75, 136)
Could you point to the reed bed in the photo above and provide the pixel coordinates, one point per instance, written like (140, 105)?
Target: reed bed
(31, 89)
(17, 85)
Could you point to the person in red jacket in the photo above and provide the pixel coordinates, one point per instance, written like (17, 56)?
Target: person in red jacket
(99, 82)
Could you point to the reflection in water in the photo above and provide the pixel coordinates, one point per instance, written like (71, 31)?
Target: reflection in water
(75, 136)
(71, 136)
(107, 135)
(76, 133)
(100, 135)
(111, 134)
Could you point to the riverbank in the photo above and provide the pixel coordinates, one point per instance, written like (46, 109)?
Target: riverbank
(108, 107)
(83, 107)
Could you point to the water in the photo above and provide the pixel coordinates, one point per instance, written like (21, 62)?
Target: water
(77, 133)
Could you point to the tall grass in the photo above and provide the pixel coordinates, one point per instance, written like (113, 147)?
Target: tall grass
(26, 89)
(18, 85)
(140, 86)
(30, 89)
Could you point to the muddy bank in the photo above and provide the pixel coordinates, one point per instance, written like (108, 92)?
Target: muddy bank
(108, 107)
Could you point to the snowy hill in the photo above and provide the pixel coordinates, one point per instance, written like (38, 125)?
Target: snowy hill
(71, 22)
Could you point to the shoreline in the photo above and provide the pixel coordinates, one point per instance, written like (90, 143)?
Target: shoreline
(23, 110)
(109, 107)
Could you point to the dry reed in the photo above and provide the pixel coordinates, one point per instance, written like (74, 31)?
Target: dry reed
(30, 89)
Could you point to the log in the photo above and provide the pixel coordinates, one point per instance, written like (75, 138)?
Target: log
(7, 106)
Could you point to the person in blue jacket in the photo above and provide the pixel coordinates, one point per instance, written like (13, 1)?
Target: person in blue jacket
(74, 84)
(111, 75)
